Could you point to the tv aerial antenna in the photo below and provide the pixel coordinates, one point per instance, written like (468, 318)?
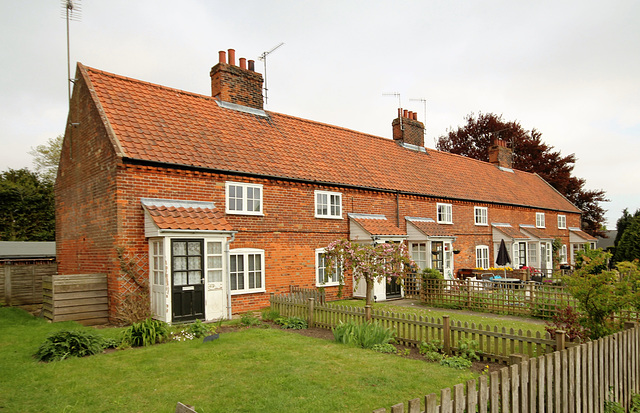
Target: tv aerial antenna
(263, 57)
(397, 94)
(71, 11)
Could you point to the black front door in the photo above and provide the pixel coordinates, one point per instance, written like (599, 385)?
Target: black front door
(394, 290)
(187, 279)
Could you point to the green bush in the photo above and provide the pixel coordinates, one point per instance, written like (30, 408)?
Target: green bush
(249, 320)
(270, 315)
(145, 333)
(364, 335)
(76, 343)
(385, 348)
(456, 362)
(199, 329)
(294, 323)
(467, 349)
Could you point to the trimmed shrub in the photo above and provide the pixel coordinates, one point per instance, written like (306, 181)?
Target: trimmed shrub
(294, 323)
(75, 343)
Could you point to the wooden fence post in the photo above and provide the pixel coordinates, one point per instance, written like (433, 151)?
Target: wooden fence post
(560, 345)
(446, 334)
(310, 320)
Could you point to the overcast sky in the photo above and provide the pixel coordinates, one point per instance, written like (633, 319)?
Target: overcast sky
(570, 69)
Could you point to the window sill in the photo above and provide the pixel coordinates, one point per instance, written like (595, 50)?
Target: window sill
(255, 214)
(243, 292)
(327, 217)
(327, 285)
(482, 225)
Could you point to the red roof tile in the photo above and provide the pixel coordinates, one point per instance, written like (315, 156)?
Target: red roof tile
(161, 124)
(376, 225)
(511, 232)
(181, 218)
(536, 232)
(582, 234)
(430, 228)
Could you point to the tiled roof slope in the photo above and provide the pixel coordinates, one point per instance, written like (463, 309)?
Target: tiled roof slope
(377, 226)
(205, 219)
(156, 123)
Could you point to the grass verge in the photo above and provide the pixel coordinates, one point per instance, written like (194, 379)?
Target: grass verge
(249, 370)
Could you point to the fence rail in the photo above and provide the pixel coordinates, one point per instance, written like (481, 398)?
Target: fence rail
(21, 282)
(577, 379)
(494, 344)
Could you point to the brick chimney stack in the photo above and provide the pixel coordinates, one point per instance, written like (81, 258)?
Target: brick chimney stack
(408, 129)
(240, 85)
(500, 154)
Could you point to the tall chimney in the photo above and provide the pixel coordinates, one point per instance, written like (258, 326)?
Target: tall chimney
(407, 128)
(234, 84)
(500, 154)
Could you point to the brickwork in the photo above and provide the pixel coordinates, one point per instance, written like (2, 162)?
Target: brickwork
(232, 84)
(412, 130)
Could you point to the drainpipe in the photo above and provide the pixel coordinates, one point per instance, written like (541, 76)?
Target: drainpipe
(228, 257)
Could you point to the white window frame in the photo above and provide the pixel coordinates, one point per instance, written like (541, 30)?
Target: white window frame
(444, 211)
(481, 216)
(245, 253)
(332, 203)
(157, 262)
(215, 270)
(419, 255)
(532, 254)
(244, 207)
(320, 274)
(562, 222)
(482, 256)
(563, 254)
(540, 220)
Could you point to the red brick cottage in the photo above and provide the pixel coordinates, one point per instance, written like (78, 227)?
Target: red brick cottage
(215, 203)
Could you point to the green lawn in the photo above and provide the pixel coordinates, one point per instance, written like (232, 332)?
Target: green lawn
(251, 370)
(486, 319)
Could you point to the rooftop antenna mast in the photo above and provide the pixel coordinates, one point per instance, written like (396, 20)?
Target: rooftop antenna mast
(397, 94)
(71, 12)
(263, 57)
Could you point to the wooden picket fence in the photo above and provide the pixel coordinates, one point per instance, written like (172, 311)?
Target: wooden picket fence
(495, 344)
(578, 379)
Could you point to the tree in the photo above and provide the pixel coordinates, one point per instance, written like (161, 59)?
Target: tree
(621, 226)
(370, 263)
(27, 207)
(47, 157)
(628, 247)
(530, 154)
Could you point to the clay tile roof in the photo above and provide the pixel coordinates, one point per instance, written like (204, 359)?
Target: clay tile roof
(511, 232)
(582, 234)
(536, 232)
(148, 122)
(181, 218)
(376, 224)
(430, 228)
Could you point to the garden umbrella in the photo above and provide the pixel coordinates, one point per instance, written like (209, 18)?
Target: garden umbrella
(503, 257)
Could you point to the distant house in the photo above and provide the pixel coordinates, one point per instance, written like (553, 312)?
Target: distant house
(608, 241)
(217, 203)
(27, 250)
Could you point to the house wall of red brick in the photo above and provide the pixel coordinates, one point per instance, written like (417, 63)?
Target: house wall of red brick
(98, 202)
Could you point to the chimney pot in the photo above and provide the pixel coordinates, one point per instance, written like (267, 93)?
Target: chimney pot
(243, 63)
(404, 113)
(232, 57)
(252, 65)
(222, 56)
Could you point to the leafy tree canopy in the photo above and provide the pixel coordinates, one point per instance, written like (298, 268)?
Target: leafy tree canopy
(627, 244)
(530, 154)
(47, 157)
(27, 211)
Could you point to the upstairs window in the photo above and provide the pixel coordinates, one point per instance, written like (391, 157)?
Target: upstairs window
(562, 222)
(445, 215)
(481, 215)
(243, 198)
(328, 204)
(540, 220)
